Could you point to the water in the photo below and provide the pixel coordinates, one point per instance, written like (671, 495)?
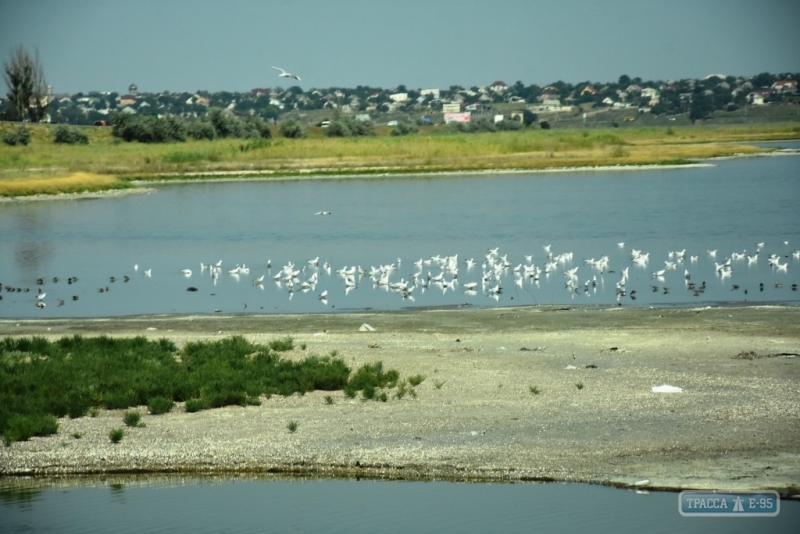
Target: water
(197, 505)
(729, 207)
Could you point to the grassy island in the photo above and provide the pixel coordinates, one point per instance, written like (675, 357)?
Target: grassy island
(105, 162)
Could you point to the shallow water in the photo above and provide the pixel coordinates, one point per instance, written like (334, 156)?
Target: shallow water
(728, 207)
(197, 505)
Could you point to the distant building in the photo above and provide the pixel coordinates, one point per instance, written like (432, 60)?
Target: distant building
(498, 87)
(132, 89)
(432, 92)
(399, 97)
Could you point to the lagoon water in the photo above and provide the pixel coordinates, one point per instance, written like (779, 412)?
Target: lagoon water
(241, 505)
(729, 206)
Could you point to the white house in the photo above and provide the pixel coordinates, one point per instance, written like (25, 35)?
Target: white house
(399, 97)
(432, 92)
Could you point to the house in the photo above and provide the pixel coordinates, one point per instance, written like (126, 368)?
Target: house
(126, 100)
(498, 87)
(433, 92)
(649, 92)
(607, 101)
(758, 96)
(785, 86)
(588, 89)
(399, 97)
(633, 88)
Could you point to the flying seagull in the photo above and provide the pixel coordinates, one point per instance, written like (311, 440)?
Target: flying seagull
(284, 74)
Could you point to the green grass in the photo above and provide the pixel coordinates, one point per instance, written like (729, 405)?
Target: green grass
(416, 380)
(328, 400)
(535, 389)
(579, 385)
(438, 384)
(116, 435)
(43, 380)
(292, 426)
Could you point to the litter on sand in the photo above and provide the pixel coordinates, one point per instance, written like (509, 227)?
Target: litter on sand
(366, 328)
(666, 389)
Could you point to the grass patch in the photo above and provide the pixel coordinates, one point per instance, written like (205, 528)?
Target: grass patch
(42, 380)
(534, 389)
(77, 435)
(416, 380)
(438, 384)
(116, 435)
(579, 385)
(292, 426)
(282, 345)
(328, 400)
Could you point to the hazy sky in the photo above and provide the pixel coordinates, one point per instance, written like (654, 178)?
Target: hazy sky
(188, 45)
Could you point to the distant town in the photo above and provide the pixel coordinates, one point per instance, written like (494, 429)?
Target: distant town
(697, 98)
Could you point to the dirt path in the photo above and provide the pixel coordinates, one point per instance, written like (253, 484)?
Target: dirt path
(736, 425)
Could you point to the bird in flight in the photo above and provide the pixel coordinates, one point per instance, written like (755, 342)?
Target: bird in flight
(284, 74)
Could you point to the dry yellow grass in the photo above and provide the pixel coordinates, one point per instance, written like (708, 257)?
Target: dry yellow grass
(73, 183)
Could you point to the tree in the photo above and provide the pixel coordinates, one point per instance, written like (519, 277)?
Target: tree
(27, 87)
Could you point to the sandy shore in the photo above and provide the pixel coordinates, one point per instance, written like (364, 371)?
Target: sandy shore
(735, 426)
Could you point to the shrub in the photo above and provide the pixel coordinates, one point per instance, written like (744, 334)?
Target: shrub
(22, 428)
(405, 128)
(544, 125)
(194, 405)
(509, 125)
(349, 126)
(579, 385)
(148, 128)
(373, 376)
(69, 135)
(328, 399)
(116, 435)
(132, 418)
(438, 384)
(22, 136)
(535, 389)
(293, 129)
(159, 405)
(292, 426)
(201, 129)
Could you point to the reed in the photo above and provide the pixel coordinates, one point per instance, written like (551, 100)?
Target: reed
(76, 182)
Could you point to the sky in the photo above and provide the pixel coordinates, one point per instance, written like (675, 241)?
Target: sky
(191, 45)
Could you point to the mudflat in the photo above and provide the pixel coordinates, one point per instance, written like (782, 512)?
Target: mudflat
(593, 417)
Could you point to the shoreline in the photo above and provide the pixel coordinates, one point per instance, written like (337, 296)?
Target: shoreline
(735, 426)
(321, 174)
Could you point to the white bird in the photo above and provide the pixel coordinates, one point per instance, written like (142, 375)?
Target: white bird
(258, 280)
(187, 272)
(323, 295)
(148, 273)
(284, 74)
(40, 296)
(322, 213)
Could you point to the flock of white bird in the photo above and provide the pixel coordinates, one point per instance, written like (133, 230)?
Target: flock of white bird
(488, 275)
(441, 273)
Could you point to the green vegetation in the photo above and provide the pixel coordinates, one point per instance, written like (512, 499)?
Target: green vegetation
(116, 435)
(132, 419)
(579, 385)
(328, 400)
(535, 389)
(69, 135)
(292, 426)
(42, 380)
(20, 136)
(438, 384)
(47, 167)
(159, 405)
(416, 380)
(293, 129)
(77, 435)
